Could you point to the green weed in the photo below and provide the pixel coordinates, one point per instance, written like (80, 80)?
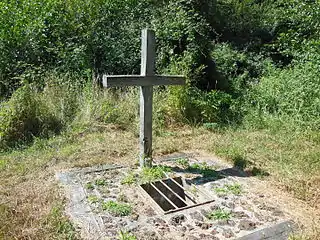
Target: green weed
(219, 214)
(184, 162)
(204, 169)
(100, 182)
(93, 199)
(89, 186)
(235, 188)
(126, 236)
(153, 173)
(60, 224)
(221, 191)
(117, 209)
(129, 179)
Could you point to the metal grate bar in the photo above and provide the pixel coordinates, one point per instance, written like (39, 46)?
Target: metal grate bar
(177, 195)
(186, 189)
(187, 207)
(164, 196)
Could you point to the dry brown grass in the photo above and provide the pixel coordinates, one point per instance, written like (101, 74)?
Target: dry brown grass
(31, 203)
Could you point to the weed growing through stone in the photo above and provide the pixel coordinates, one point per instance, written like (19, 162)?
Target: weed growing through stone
(93, 199)
(203, 169)
(89, 186)
(117, 209)
(235, 189)
(184, 162)
(194, 190)
(221, 191)
(64, 227)
(100, 182)
(146, 175)
(126, 236)
(153, 173)
(219, 214)
(129, 179)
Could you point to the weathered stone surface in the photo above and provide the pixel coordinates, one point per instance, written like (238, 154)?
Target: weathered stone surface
(146, 222)
(227, 233)
(206, 237)
(204, 225)
(177, 219)
(226, 222)
(197, 216)
(240, 215)
(247, 225)
(280, 231)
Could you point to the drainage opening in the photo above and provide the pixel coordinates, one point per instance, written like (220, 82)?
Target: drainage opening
(173, 194)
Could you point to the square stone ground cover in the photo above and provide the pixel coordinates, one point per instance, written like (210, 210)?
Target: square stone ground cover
(101, 205)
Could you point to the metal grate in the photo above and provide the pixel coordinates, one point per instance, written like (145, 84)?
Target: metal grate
(173, 194)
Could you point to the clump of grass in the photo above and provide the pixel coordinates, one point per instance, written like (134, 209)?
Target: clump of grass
(117, 209)
(153, 173)
(61, 225)
(204, 169)
(219, 214)
(146, 175)
(126, 236)
(129, 179)
(221, 191)
(93, 199)
(184, 162)
(100, 182)
(235, 189)
(89, 186)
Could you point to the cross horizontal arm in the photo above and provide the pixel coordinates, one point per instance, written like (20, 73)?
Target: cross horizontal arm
(138, 80)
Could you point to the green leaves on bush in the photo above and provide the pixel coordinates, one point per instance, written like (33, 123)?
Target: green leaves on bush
(25, 116)
(292, 93)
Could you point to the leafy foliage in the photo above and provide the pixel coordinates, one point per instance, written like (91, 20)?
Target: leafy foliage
(117, 209)
(237, 57)
(25, 116)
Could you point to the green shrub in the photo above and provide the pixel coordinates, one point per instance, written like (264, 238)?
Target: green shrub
(195, 106)
(25, 116)
(292, 94)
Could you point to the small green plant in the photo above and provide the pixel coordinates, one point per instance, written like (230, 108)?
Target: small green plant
(203, 169)
(221, 191)
(63, 227)
(117, 209)
(100, 182)
(129, 179)
(153, 173)
(194, 190)
(93, 199)
(219, 214)
(184, 162)
(235, 188)
(89, 186)
(126, 236)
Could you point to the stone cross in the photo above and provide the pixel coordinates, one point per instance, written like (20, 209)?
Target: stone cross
(146, 80)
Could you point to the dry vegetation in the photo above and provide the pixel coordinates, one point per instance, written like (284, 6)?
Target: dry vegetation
(32, 203)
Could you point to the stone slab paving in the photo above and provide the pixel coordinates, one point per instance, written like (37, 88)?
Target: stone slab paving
(248, 215)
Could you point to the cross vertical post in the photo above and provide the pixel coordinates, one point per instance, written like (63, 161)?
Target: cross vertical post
(146, 80)
(148, 53)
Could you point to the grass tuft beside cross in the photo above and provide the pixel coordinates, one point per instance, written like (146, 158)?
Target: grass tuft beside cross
(146, 81)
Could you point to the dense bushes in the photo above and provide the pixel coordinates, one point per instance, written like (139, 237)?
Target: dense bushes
(24, 116)
(292, 93)
(242, 59)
